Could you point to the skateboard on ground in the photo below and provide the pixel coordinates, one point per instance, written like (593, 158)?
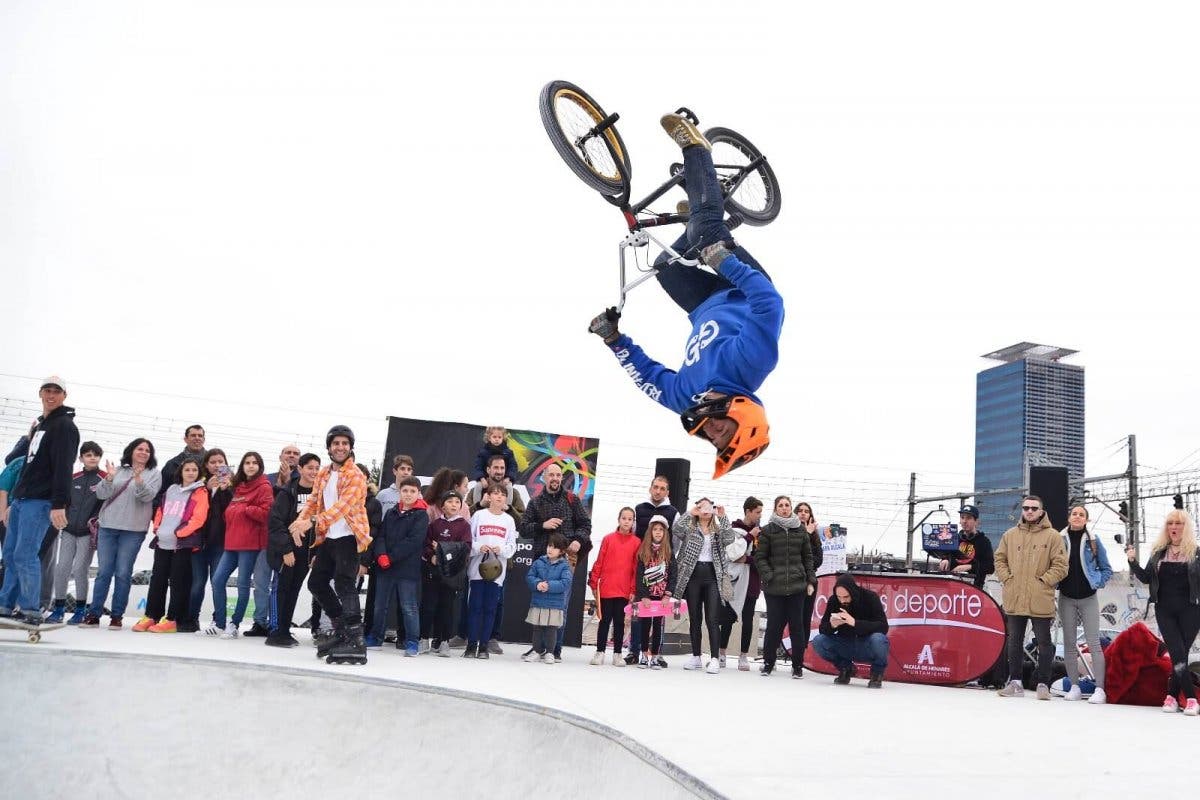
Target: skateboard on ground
(658, 608)
(34, 632)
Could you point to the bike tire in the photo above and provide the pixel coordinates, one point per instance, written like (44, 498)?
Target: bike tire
(603, 163)
(757, 199)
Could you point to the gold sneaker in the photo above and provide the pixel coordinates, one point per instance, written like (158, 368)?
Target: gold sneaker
(683, 208)
(683, 131)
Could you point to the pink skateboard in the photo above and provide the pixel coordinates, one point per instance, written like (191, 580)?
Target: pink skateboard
(659, 608)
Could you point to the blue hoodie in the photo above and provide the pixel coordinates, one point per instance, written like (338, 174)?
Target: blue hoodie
(733, 347)
(557, 574)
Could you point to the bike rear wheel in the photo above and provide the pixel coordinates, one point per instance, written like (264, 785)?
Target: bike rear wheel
(751, 193)
(600, 160)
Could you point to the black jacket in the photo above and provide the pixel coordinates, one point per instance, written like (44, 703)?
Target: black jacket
(283, 513)
(1149, 575)
(865, 606)
(51, 460)
(214, 526)
(84, 503)
(784, 559)
(577, 525)
(402, 537)
(643, 512)
(977, 552)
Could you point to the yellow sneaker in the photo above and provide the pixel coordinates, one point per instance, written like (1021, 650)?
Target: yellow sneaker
(166, 626)
(683, 131)
(143, 624)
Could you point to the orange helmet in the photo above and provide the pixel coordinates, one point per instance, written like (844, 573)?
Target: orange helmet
(748, 442)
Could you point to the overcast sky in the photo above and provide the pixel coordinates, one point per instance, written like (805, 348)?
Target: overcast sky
(351, 209)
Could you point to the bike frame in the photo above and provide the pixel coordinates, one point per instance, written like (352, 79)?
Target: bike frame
(638, 236)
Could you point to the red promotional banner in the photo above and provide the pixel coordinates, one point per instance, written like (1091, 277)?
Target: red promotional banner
(941, 630)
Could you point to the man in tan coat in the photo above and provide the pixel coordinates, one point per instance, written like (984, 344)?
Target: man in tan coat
(1030, 561)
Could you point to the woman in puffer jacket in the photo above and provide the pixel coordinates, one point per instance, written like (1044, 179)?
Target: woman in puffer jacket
(785, 566)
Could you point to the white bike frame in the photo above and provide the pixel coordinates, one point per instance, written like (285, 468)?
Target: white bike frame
(642, 238)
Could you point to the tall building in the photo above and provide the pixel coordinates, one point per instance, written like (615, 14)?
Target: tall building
(1028, 412)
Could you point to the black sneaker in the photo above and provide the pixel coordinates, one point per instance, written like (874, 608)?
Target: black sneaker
(257, 630)
(472, 651)
(483, 652)
(876, 681)
(662, 662)
(797, 672)
(278, 641)
(26, 620)
(844, 676)
(631, 659)
(557, 656)
(766, 669)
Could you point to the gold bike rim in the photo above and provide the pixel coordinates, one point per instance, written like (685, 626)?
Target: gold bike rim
(598, 158)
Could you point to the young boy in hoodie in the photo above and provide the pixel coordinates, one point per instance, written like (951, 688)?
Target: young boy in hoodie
(854, 628)
(439, 599)
(397, 556)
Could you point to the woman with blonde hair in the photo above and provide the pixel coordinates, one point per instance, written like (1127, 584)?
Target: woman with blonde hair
(1173, 574)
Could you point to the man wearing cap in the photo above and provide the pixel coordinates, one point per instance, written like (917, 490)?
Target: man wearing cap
(975, 556)
(39, 501)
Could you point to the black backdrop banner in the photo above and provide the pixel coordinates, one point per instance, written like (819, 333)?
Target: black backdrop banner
(433, 444)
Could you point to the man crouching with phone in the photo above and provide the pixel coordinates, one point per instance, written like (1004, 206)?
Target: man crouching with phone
(854, 628)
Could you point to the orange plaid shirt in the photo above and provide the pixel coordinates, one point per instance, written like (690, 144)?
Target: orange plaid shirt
(352, 497)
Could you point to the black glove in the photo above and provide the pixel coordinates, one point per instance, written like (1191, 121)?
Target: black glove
(605, 325)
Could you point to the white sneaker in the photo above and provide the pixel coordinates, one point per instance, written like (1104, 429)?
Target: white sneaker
(423, 647)
(210, 630)
(714, 666)
(643, 662)
(743, 663)
(531, 657)
(443, 650)
(597, 659)
(722, 660)
(693, 662)
(548, 657)
(1098, 697)
(1074, 693)
(230, 632)
(618, 660)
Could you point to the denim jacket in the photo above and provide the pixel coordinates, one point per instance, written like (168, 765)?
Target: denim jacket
(1095, 567)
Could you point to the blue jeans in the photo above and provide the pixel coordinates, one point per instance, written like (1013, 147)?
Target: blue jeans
(116, 551)
(407, 593)
(482, 612)
(27, 524)
(689, 287)
(204, 566)
(843, 651)
(262, 590)
(243, 562)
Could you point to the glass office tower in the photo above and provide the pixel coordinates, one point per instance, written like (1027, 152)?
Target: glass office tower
(1028, 412)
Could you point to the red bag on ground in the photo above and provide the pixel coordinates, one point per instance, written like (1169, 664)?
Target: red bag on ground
(1136, 668)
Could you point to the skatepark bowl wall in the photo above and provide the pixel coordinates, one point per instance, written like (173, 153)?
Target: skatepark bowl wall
(113, 725)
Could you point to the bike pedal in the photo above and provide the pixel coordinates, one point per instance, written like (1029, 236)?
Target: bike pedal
(687, 112)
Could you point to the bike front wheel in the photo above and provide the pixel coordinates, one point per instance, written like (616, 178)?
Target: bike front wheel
(570, 117)
(750, 191)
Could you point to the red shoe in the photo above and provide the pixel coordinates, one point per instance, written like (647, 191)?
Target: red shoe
(144, 624)
(166, 626)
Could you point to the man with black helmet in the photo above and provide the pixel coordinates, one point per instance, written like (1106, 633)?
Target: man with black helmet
(736, 316)
(343, 535)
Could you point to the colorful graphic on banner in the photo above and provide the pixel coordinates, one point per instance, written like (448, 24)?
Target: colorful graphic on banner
(433, 444)
(575, 454)
(941, 630)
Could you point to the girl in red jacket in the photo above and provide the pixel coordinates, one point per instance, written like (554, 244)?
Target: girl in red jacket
(245, 535)
(612, 584)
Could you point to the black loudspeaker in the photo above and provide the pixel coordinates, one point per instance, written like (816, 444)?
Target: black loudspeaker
(1050, 484)
(678, 472)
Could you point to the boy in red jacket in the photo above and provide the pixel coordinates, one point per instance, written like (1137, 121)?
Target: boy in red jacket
(612, 584)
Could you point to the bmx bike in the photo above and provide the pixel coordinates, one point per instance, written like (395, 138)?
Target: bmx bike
(587, 139)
